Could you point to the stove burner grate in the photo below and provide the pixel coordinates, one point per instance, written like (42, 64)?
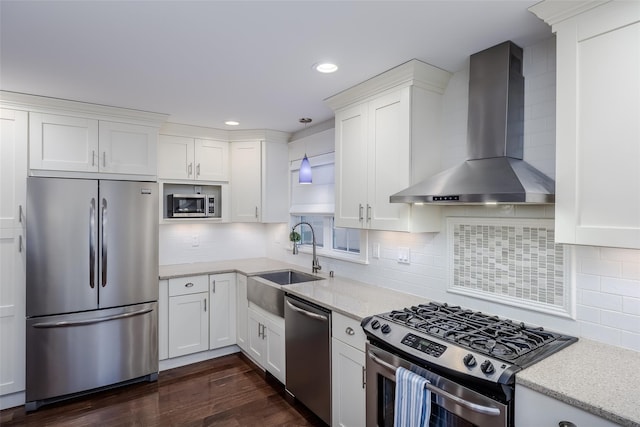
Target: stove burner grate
(474, 330)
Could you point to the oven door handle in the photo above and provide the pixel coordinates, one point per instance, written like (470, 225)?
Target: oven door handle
(469, 405)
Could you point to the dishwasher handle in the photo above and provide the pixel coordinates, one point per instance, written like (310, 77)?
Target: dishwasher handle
(307, 313)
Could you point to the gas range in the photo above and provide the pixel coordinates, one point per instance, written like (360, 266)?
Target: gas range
(464, 342)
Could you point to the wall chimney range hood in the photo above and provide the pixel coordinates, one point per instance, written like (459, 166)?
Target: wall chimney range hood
(494, 171)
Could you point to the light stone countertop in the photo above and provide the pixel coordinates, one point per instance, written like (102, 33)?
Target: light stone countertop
(601, 379)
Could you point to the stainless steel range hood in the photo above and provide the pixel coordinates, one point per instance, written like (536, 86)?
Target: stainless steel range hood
(494, 171)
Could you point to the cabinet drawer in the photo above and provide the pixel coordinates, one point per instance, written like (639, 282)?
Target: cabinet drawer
(188, 285)
(348, 330)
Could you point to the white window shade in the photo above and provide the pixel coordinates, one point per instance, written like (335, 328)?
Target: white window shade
(316, 198)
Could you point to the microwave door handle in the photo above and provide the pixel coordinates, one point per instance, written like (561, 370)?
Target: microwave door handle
(487, 410)
(104, 242)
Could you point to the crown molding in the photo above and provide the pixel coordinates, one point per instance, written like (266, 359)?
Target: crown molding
(411, 73)
(554, 11)
(45, 104)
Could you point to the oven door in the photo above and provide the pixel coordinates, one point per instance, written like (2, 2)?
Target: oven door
(452, 405)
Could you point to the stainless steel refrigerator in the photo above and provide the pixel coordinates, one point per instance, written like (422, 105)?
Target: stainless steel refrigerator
(92, 286)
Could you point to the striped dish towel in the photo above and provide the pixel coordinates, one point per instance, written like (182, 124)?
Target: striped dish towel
(413, 400)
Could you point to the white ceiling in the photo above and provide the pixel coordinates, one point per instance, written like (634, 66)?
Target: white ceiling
(204, 62)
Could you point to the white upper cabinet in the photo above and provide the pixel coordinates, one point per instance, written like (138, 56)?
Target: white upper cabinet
(77, 144)
(127, 148)
(597, 121)
(387, 140)
(259, 180)
(186, 158)
(63, 143)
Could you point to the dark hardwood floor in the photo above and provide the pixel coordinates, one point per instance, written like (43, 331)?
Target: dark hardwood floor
(228, 391)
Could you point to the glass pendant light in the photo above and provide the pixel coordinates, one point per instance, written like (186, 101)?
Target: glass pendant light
(304, 177)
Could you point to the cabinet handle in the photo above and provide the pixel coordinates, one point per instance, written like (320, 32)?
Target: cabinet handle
(368, 213)
(264, 331)
(198, 170)
(205, 304)
(256, 212)
(360, 217)
(364, 377)
(350, 331)
(104, 159)
(188, 285)
(20, 214)
(214, 287)
(260, 330)
(93, 157)
(20, 243)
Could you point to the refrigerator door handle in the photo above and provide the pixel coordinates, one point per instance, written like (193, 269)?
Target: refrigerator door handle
(104, 242)
(92, 244)
(65, 324)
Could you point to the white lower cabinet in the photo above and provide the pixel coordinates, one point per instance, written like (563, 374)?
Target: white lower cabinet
(188, 315)
(535, 409)
(265, 341)
(347, 372)
(242, 307)
(222, 314)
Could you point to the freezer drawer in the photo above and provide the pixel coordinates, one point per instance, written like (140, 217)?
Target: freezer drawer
(75, 353)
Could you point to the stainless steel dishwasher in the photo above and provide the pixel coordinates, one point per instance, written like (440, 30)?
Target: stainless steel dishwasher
(308, 355)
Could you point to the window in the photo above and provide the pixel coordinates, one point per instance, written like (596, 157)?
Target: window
(314, 204)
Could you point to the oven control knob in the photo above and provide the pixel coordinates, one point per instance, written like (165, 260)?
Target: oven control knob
(469, 360)
(375, 324)
(385, 328)
(486, 367)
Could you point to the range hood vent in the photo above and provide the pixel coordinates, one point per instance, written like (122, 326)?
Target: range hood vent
(494, 171)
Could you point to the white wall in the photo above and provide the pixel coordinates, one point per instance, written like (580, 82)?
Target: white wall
(606, 281)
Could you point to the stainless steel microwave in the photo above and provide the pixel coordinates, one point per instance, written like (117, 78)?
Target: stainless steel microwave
(190, 206)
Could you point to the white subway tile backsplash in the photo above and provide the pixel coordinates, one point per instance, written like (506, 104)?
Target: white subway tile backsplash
(600, 300)
(622, 321)
(615, 254)
(631, 271)
(587, 314)
(630, 340)
(600, 333)
(588, 282)
(601, 267)
(631, 306)
(629, 288)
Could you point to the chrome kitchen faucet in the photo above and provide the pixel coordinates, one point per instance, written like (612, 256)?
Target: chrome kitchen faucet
(315, 265)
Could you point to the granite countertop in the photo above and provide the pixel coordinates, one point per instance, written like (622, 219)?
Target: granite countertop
(598, 378)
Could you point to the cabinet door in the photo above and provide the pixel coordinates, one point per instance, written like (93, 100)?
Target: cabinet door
(13, 181)
(255, 338)
(351, 167)
(175, 157)
(211, 160)
(388, 161)
(188, 324)
(63, 143)
(128, 149)
(275, 350)
(13, 166)
(246, 181)
(348, 385)
(222, 327)
(242, 305)
(598, 105)
(163, 319)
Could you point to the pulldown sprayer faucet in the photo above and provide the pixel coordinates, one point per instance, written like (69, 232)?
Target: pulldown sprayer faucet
(315, 265)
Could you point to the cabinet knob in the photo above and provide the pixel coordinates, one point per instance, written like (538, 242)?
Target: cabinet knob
(566, 424)
(188, 285)
(350, 331)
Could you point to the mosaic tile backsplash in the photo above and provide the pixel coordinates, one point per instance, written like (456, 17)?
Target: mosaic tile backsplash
(514, 260)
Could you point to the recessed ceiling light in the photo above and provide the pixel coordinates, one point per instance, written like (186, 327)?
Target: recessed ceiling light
(231, 123)
(326, 67)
